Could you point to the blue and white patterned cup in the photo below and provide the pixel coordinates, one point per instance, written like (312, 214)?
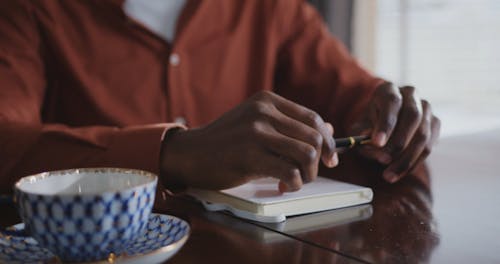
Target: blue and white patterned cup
(86, 214)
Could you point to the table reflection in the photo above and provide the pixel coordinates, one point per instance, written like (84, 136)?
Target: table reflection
(221, 238)
(401, 228)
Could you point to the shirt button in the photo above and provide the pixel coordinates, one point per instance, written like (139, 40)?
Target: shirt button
(180, 120)
(174, 59)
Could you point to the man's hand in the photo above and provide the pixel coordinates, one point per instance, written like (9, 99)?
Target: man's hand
(266, 136)
(402, 127)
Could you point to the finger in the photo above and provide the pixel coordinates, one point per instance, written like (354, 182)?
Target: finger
(436, 127)
(417, 148)
(290, 186)
(330, 129)
(361, 128)
(273, 166)
(387, 102)
(335, 160)
(375, 153)
(310, 118)
(299, 153)
(302, 132)
(364, 125)
(410, 118)
(420, 159)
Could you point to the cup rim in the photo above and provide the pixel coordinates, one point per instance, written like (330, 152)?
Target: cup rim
(152, 178)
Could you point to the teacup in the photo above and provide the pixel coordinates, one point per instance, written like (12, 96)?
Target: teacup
(86, 214)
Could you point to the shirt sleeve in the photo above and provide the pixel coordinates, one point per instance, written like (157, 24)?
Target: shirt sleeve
(316, 70)
(27, 145)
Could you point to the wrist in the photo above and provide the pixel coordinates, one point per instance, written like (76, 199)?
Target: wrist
(171, 161)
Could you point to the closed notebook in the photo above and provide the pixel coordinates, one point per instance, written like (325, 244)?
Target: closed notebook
(259, 200)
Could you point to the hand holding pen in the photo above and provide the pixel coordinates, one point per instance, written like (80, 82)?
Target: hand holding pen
(402, 129)
(351, 142)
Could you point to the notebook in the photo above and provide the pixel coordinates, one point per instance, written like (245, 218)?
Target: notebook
(260, 200)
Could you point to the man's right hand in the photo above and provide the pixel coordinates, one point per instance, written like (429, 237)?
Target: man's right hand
(266, 136)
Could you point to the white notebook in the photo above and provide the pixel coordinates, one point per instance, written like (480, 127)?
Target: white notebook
(260, 200)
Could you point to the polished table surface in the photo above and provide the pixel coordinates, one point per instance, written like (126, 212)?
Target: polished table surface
(447, 211)
(455, 221)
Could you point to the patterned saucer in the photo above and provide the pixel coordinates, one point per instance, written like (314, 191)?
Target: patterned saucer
(164, 236)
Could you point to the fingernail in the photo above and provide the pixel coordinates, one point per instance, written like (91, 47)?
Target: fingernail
(384, 158)
(335, 160)
(331, 161)
(282, 187)
(380, 139)
(390, 176)
(330, 128)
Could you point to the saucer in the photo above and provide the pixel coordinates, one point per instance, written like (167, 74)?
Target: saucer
(164, 236)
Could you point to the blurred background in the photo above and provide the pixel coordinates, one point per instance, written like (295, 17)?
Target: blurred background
(448, 49)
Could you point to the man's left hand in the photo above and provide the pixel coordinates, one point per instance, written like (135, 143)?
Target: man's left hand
(402, 128)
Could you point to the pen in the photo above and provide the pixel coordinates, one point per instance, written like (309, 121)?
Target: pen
(349, 142)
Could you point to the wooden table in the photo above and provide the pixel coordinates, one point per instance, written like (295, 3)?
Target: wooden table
(447, 211)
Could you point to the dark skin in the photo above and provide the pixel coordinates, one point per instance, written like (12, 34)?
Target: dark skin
(266, 136)
(402, 127)
(270, 136)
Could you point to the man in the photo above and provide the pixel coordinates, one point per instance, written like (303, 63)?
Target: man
(227, 92)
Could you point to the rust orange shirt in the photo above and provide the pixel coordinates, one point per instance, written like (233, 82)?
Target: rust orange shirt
(83, 85)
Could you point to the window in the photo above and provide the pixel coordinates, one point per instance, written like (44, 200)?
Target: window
(450, 50)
